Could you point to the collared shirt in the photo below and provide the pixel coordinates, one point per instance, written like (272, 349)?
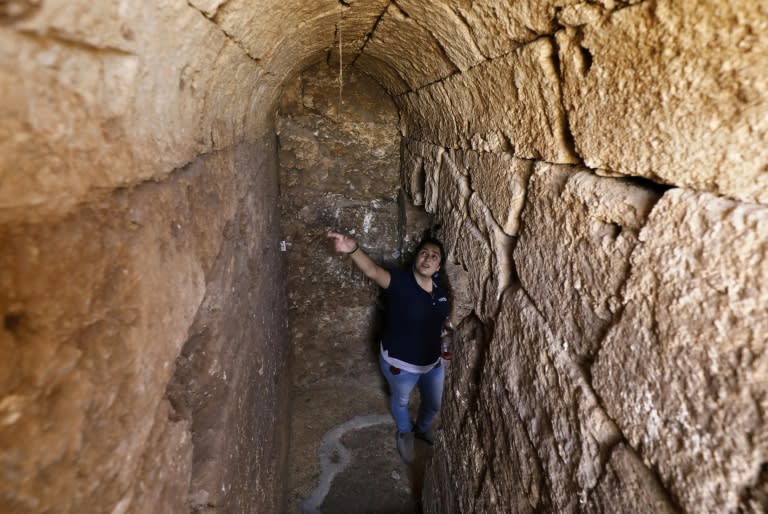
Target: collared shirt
(414, 320)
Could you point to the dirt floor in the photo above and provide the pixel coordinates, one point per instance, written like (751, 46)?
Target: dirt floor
(343, 457)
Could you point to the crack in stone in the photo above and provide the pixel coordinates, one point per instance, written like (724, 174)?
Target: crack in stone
(63, 39)
(369, 35)
(214, 19)
(568, 138)
(460, 16)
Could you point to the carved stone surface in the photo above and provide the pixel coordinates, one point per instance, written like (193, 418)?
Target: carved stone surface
(96, 413)
(500, 181)
(530, 125)
(683, 372)
(578, 231)
(531, 435)
(673, 91)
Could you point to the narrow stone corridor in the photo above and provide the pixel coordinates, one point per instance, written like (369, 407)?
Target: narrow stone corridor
(178, 335)
(339, 169)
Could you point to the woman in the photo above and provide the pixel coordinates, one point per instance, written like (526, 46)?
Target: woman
(417, 309)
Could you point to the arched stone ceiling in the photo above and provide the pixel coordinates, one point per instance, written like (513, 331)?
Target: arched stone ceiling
(108, 94)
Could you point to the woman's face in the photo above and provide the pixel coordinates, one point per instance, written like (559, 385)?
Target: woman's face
(427, 260)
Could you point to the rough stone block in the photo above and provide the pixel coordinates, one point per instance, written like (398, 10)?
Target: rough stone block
(573, 252)
(79, 84)
(420, 167)
(500, 181)
(412, 173)
(409, 48)
(474, 253)
(444, 23)
(532, 436)
(386, 76)
(502, 267)
(628, 486)
(96, 309)
(453, 186)
(499, 27)
(675, 92)
(530, 125)
(432, 157)
(683, 372)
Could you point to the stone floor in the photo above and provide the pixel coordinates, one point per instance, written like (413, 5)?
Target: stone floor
(343, 457)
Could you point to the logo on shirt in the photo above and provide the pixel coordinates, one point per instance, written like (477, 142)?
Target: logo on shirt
(442, 299)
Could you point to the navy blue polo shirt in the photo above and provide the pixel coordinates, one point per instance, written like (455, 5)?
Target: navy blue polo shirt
(414, 319)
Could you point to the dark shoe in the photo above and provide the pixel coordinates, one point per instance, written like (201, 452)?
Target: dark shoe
(404, 442)
(428, 437)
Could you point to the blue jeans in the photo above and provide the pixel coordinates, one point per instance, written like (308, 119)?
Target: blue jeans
(400, 387)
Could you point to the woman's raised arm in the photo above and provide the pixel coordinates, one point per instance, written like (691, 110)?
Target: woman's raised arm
(347, 245)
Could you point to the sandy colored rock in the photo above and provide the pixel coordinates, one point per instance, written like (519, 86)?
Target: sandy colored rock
(83, 131)
(96, 310)
(503, 272)
(673, 92)
(398, 36)
(683, 372)
(420, 172)
(530, 125)
(452, 186)
(628, 486)
(573, 252)
(534, 440)
(445, 24)
(500, 182)
(499, 27)
(473, 251)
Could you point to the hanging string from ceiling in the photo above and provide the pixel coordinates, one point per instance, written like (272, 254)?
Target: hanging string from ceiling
(341, 73)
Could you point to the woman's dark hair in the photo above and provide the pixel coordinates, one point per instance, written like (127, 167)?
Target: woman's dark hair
(432, 241)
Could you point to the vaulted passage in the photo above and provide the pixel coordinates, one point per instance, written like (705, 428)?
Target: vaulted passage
(178, 336)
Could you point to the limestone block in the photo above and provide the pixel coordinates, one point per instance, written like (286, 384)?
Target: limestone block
(573, 252)
(432, 157)
(95, 309)
(502, 267)
(462, 386)
(675, 92)
(540, 427)
(207, 7)
(500, 182)
(384, 74)
(683, 371)
(105, 25)
(453, 191)
(261, 31)
(628, 486)
(112, 99)
(412, 173)
(356, 21)
(448, 28)
(499, 27)
(474, 253)
(410, 224)
(509, 104)
(409, 48)
(458, 284)
(430, 115)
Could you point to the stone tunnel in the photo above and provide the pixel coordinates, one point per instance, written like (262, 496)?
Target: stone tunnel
(179, 336)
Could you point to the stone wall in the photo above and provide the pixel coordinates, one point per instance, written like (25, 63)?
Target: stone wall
(338, 171)
(126, 328)
(339, 163)
(598, 170)
(602, 182)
